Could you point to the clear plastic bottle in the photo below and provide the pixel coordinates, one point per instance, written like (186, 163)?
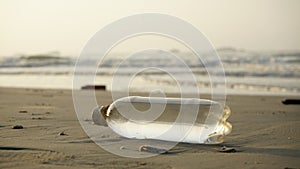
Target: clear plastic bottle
(170, 119)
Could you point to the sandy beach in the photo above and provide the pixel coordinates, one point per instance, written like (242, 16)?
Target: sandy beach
(266, 134)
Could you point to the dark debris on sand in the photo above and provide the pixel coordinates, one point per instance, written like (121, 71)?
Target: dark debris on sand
(17, 127)
(62, 133)
(23, 111)
(225, 149)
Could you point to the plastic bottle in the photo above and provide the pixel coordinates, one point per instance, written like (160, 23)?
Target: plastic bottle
(169, 119)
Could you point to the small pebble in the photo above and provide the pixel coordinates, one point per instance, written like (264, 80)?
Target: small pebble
(17, 127)
(152, 149)
(62, 134)
(225, 149)
(143, 163)
(104, 136)
(23, 111)
(36, 118)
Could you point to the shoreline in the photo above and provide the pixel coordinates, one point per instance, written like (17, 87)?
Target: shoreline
(265, 135)
(256, 93)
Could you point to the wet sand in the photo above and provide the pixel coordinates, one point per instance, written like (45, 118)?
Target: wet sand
(266, 134)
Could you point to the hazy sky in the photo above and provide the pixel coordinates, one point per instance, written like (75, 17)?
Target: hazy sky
(39, 26)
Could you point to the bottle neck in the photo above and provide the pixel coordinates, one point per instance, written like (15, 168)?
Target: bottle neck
(103, 111)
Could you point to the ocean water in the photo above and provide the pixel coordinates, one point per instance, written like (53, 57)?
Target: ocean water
(247, 72)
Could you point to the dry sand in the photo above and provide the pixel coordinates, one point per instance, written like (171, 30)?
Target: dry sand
(265, 133)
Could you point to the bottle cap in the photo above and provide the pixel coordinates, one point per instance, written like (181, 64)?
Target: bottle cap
(98, 119)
